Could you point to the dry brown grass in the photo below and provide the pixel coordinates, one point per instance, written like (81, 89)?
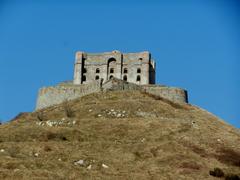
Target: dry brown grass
(162, 143)
(229, 156)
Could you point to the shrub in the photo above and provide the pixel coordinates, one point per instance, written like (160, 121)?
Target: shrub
(40, 116)
(229, 156)
(232, 177)
(68, 110)
(48, 136)
(190, 165)
(217, 172)
(13, 151)
(47, 148)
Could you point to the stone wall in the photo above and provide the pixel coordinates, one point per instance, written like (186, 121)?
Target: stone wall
(118, 85)
(174, 94)
(49, 96)
(90, 66)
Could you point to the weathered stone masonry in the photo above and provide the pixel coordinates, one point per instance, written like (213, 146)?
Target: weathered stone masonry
(138, 68)
(109, 68)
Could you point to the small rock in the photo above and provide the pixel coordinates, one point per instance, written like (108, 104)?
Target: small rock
(74, 122)
(59, 159)
(219, 140)
(143, 139)
(90, 110)
(80, 162)
(15, 170)
(105, 166)
(40, 123)
(63, 119)
(49, 123)
(2, 150)
(89, 167)
(99, 115)
(112, 110)
(123, 111)
(119, 115)
(36, 154)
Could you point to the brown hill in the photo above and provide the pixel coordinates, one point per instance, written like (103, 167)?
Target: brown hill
(118, 135)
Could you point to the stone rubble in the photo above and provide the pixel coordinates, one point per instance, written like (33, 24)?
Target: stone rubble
(105, 166)
(89, 167)
(113, 113)
(79, 162)
(53, 123)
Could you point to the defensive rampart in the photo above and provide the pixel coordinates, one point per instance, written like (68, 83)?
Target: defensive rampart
(172, 93)
(49, 96)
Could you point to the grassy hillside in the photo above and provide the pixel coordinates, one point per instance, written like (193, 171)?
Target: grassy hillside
(118, 135)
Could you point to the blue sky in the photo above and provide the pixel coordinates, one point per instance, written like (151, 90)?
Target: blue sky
(196, 45)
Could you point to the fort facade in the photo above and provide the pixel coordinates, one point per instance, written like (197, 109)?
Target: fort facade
(109, 71)
(136, 68)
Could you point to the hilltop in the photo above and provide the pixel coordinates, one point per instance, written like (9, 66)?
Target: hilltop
(118, 135)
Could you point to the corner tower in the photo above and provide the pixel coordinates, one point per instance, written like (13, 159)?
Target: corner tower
(79, 60)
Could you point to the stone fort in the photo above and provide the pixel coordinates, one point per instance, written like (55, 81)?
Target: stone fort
(95, 72)
(136, 68)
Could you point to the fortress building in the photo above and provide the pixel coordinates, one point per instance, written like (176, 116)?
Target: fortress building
(109, 71)
(136, 68)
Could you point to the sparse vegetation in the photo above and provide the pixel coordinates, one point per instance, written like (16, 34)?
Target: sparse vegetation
(20, 115)
(68, 109)
(165, 145)
(229, 156)
(232, 177)
(217, 172)
(47, 148)
(49, 136)
(40, 116)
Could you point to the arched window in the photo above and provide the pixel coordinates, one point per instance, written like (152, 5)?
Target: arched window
(97, 70)
(125, 78)
(138, 78)
(140, 59)
(111, 77)
(97, 77)
(138, 70)
(112, 63)
(84, 70)
(125, 70)
(111, 70)
(83, 78)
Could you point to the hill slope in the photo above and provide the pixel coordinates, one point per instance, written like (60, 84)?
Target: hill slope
(118, 135)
